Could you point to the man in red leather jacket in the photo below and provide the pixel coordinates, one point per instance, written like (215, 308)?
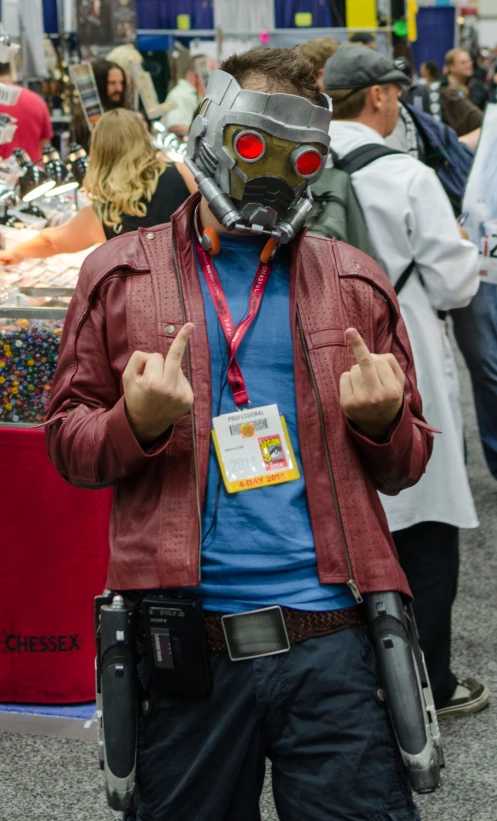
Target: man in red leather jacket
(159, 341)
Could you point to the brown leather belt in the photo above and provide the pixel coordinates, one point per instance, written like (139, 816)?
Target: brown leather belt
(300, 624)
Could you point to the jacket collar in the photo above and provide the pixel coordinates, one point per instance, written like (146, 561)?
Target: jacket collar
(183, 217)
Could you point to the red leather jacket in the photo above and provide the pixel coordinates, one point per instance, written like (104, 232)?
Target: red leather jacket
(135, 292)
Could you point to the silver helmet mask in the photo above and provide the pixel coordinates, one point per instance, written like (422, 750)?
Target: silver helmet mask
(254, 156)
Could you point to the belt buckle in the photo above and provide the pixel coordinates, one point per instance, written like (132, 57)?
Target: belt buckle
(255, 634)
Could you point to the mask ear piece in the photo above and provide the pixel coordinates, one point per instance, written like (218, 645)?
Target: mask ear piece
(210, 241)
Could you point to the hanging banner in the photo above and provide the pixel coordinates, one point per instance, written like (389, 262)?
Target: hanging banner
(82, 76)
(105, 22)
(361, 14)
(412, 24)
(242, 17)
(480, 198)
(33, 61)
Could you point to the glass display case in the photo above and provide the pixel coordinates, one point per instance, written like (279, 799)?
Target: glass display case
(29, 350)
(34, 298)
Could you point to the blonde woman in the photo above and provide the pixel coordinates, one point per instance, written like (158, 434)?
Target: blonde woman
(128, 184)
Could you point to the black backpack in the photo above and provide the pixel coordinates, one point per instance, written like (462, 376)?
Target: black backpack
(441, 150)
(336, 211)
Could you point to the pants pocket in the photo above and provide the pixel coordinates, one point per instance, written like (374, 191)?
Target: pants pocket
(368, 656)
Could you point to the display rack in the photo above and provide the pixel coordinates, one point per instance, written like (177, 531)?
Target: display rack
(26, 312)
(306, 32)
(164, 38)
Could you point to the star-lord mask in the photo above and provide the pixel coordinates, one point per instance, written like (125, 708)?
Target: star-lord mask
(255, 155)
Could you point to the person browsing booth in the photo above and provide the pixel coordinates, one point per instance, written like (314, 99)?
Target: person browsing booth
(112, 88)
(186, 95)
(291, 348)
(34, 129)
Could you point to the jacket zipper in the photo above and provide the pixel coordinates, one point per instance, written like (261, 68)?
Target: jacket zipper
(351, 584)
(381, 295)
(192, 413)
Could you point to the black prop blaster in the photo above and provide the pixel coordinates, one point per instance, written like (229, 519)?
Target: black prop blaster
(116, 697)
(406, 688)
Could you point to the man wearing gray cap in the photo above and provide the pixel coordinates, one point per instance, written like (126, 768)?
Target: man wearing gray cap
(416, 240)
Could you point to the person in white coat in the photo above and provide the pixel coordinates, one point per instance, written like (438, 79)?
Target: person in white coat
(409, 218)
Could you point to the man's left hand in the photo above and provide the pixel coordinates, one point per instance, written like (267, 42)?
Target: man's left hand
(372, 392)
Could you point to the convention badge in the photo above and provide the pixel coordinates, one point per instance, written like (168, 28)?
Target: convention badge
(254, 449)
(488, 252)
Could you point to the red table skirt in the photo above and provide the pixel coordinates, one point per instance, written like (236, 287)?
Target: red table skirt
(54, 552)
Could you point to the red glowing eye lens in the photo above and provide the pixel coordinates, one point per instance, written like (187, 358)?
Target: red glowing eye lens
(308, 163)
(250, 146)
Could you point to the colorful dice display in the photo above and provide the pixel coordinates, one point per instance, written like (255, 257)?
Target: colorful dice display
(29, 351)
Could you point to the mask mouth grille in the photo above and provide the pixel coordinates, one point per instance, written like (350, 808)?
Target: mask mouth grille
(271, 191)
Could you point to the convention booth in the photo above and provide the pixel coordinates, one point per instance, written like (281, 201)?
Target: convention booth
(54, 558)
(54, 537)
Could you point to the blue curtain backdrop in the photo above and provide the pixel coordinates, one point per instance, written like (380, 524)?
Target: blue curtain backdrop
(435, 23)
(151, 14)
(156, 14)
(285, 11)
(436, 27)
(50, 20)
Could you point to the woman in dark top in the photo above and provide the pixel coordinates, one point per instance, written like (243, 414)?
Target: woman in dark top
(170, 193)
(128, 183)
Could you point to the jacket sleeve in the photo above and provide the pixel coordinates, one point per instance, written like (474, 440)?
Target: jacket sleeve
(400, 461)
(447, 263)
(88, 436)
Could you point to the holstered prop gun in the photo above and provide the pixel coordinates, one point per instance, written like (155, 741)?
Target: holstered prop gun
(116, 696)
(406, 688)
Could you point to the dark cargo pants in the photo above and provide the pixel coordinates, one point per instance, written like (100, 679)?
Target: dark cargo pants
(313, 712)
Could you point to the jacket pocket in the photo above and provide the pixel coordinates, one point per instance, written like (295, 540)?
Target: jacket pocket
(326, 337)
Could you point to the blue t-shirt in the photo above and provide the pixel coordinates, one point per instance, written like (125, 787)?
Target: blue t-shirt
(260, 549)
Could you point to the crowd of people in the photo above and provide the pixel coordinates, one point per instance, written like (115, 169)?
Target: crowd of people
(167, 337)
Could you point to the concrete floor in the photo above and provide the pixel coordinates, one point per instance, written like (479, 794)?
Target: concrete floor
(44, 778)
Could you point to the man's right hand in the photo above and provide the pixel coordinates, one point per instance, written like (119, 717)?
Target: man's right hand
(156, 391)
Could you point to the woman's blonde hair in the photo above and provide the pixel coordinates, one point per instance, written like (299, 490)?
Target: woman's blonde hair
(124, 168)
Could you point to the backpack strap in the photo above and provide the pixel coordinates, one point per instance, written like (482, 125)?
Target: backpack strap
(363, 156)
(404, 277)
(435, 100)
(360, 158)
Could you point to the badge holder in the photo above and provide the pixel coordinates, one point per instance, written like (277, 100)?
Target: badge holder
(254, 449)
(252, 446)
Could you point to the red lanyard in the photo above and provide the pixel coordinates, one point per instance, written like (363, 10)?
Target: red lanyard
(233, 335)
